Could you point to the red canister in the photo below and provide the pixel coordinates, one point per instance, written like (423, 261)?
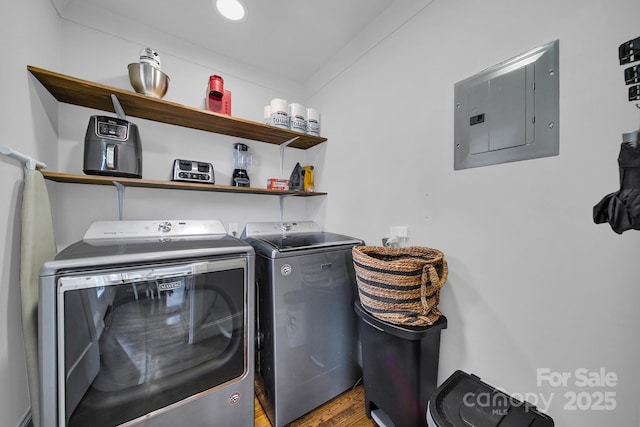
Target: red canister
(216, 86)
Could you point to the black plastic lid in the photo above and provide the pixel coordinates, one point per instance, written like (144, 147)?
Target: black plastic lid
(465, 401)
(400, 331)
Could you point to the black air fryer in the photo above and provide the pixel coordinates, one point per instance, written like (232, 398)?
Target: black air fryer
(112, 147)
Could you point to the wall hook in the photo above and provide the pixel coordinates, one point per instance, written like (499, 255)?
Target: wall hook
(29, 162)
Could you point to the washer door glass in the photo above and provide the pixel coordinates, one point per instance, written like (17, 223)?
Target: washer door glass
(136, 341)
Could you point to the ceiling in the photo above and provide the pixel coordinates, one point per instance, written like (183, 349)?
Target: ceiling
(289, 38)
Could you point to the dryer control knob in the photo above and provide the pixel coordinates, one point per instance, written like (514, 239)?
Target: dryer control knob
(164, 227)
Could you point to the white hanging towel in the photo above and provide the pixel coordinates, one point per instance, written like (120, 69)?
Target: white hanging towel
(37, 246)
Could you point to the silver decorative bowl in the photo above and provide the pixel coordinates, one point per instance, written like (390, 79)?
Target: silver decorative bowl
(148, 80)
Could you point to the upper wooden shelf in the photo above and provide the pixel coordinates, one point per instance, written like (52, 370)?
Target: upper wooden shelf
(84, 93)
(171, 185)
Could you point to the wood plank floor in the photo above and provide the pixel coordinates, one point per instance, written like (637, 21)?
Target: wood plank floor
(346, 410)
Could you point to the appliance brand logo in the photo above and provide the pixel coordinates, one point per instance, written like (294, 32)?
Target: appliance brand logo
(170, 286)
(234, 398)
(285, 270)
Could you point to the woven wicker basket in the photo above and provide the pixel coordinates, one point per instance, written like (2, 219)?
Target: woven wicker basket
(400, 285)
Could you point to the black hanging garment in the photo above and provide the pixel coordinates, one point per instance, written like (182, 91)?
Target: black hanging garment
(622, 208)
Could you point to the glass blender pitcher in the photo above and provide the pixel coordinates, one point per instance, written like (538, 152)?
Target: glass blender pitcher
(242, 161)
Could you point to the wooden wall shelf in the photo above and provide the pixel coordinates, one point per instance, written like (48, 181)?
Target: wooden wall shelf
(84, 93)
(172, 185)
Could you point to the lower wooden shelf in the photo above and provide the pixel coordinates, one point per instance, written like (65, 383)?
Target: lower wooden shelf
(172, 185)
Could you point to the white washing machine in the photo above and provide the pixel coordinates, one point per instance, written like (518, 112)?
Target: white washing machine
(307, 330)
(148, 323)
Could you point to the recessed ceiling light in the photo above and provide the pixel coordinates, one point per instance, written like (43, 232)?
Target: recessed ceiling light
(233, 10)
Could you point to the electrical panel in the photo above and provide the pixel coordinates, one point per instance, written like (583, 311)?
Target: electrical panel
(509, 112)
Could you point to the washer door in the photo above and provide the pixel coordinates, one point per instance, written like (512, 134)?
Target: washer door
(138, 340)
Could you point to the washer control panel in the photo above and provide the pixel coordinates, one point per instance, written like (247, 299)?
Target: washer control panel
(255, 229)
(161, 229)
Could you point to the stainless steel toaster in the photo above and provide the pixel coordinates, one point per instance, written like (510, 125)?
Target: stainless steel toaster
(112, 147)
(193, 171)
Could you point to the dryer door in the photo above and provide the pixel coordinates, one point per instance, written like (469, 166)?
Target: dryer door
(134, 341)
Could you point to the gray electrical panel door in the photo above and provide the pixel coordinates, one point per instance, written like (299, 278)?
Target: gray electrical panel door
(508, 112)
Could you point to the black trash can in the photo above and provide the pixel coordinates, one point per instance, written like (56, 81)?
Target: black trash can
(465, 401)
(399, 367)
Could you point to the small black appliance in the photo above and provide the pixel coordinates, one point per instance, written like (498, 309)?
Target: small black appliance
(242, 160)
(112, 146)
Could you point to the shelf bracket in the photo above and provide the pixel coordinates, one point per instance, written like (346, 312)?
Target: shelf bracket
(120, 189)
(282, 146)
(282, 197)
(117, 107)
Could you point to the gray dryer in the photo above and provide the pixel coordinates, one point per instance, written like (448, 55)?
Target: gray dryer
(148, 323)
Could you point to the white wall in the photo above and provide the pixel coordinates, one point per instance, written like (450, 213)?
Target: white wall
(533, 283)
(25, 128)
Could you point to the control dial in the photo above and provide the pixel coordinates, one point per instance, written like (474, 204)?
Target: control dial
(164, 227)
